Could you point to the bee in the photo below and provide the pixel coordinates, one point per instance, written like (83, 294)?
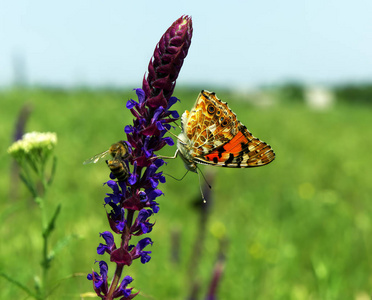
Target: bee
(119, 152)
(119, 169)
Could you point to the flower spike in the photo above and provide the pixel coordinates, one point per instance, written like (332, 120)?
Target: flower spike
(132, 201)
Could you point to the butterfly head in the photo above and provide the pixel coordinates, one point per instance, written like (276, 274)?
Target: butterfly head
(183, 148)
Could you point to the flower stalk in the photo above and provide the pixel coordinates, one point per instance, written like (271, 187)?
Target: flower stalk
(32, 154)
(132, 201)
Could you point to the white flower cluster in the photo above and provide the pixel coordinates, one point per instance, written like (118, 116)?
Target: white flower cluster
(34, 140)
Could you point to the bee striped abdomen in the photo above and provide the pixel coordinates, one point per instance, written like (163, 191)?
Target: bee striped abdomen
(119, 169)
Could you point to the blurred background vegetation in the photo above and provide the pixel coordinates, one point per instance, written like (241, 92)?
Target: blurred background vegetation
(299, 228)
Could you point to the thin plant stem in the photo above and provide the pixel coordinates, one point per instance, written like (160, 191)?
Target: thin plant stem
(45, 265)
(115, 281)
(32, 153)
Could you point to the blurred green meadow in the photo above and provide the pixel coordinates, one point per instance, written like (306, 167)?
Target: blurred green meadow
(299, 228)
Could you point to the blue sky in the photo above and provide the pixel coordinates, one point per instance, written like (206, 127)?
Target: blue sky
(235, 43)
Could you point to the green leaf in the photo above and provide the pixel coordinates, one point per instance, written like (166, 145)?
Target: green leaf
(28, 184)
(53, 171)
(51, 225)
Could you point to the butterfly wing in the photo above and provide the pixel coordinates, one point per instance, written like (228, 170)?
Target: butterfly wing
(215, 136)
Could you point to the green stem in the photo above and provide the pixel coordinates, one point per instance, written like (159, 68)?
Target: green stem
(41, 174)
(27, 180)
(115, 281)
(45, 266)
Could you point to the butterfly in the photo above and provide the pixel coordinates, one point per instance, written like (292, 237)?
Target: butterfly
(212, 135)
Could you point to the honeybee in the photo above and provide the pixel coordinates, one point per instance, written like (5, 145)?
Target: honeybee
(119, 169)
(119, 152)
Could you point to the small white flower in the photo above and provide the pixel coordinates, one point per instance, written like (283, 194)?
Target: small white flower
(34, 140)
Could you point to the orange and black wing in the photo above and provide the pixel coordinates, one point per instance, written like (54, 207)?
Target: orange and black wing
(242, 151)
(218, 138)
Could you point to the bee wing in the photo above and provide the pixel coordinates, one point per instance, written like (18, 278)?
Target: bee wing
(96, 158)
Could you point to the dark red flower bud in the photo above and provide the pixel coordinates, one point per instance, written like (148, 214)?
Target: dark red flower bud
(166, 62)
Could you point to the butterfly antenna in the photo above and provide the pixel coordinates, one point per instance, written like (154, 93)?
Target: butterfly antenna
(204, 178)
(175, 135)
(200, 186)
(177, 178)
(178, 126)
(172, 133)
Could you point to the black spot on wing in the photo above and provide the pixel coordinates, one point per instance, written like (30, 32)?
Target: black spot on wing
(244, 147)
(230, 159)
(242, 128)
(221, 150)
(238, 160)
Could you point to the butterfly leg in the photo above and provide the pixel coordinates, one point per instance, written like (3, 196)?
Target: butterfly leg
(168, 157)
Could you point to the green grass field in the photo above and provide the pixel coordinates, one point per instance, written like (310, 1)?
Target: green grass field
(299, 228)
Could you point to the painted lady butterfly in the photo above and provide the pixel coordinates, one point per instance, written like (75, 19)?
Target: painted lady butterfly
(212, 135)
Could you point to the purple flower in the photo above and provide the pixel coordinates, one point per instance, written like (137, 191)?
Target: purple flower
(126, 292)
(116, 218)
(129, 129)
(169, 141)
(110, 243)
(100, 281)
(152, 194)
(151, 178)
(123, 286)
(142, 225)
(137, 251)
(114, 197)
(133, 177)
(132, 201)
